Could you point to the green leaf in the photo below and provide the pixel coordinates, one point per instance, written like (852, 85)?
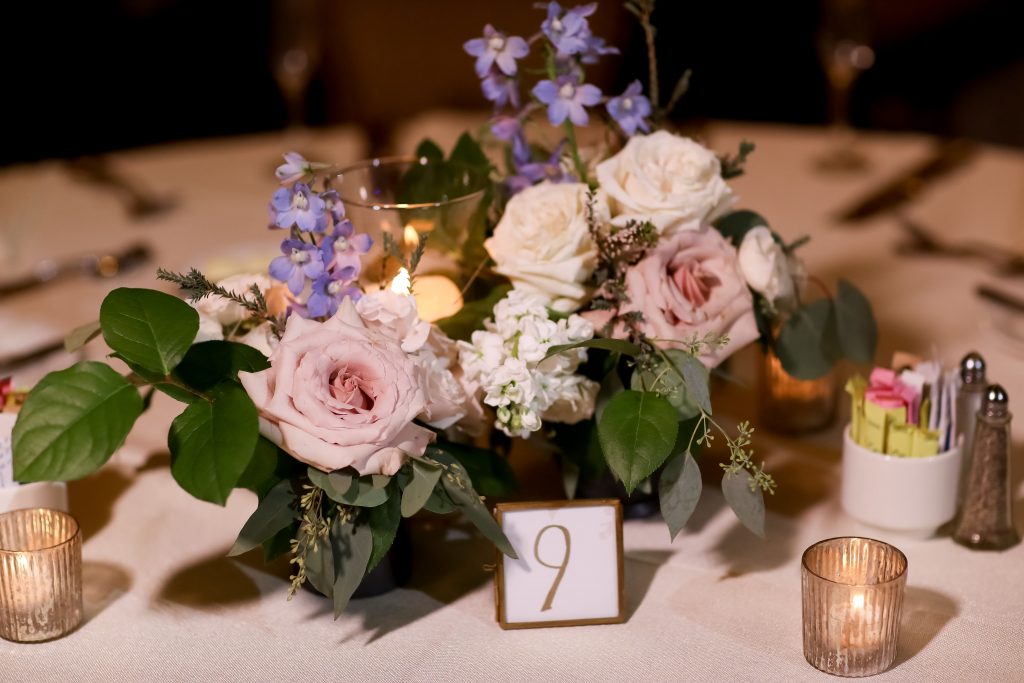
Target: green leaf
(280, 543)
(637, 432)
(158, 381)
(209, 363)
(274, 513)
(383, 521)
(80, 336)
(321, 567)
(429, 149)
(472, 315)
(679, 488)
(672, 380)
(617, 345)
(149, 328)
(736, 225)
(212, 443)
(417, 491)
(440, 503)
(261, 473)
(469, 152)
(459, 488)
(855, 324)
(808, 346)
(746, 503)
(491, 474)
(343, 487)
(72, 422)
(352, 547)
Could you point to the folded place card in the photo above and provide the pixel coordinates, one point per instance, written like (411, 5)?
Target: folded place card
(570, 569)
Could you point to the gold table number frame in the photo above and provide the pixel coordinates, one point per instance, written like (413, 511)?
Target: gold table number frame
(499, 575)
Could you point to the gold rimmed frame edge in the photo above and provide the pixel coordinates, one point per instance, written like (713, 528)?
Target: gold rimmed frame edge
(499, 574)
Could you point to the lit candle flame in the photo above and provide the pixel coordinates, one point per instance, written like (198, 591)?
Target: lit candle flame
(402, 284)
(412, 238)
(857, 601)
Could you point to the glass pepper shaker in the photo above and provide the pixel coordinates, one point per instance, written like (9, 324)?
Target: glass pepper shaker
(986, 518)
(968, 403)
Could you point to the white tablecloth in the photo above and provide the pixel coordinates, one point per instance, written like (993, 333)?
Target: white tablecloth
(718, 604)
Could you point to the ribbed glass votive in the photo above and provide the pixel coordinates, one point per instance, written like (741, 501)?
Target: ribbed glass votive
(852, 600)
(40, 574)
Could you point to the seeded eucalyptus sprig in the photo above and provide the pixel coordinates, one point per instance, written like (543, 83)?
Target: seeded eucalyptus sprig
(199, 287)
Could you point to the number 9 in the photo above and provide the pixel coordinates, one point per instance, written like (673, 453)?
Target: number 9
(560, 567)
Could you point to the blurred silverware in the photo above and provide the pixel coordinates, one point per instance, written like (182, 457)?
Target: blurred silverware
(99, 265)
(920, 240)
(16, 360)
(138, 200)
(999, 298)
(948, 156)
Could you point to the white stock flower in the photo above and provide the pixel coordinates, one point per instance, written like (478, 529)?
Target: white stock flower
(542, 243)
(765, 265)
(669, 180)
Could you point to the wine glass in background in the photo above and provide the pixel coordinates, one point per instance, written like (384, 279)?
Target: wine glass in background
(844, 53)
(295, 55)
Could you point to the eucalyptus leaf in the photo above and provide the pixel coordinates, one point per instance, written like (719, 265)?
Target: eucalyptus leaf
(72, 422)
(736, 225)
(343, 487)
(212, 443)
(81, 335)
(211, 362)
(490, 473)
(679, 488)
(746, 503)
(383, 522)
(696, 376)
(424, 477)
(428, 149)
(148, 327)
(352, 549)
(616, 345)
(274, 513)
(469, 152)
(280, 543)
(808, 346)
(637, 432)
(669, 380)
(321, 567)
(855, 324)
(439, 502)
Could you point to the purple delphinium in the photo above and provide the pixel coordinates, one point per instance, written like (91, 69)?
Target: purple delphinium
(496, 48)
(568, 31)
(327, 293)
(566, 98)
(530, 172)
(301, 261)
(296, 168)
(500, 89)
(298, 206)
(631, 109)
(505, 128)
(333, 205)
(342, 249)
(595, 49)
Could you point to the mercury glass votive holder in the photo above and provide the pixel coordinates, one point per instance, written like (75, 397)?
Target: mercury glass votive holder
(852, 600)
(794, 406)
(40, 575)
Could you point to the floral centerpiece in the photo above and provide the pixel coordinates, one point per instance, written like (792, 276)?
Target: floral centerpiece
(607, 283)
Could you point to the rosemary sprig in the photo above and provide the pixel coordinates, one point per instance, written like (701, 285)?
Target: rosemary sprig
(199, 286)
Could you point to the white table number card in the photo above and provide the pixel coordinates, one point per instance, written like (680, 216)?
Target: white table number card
(569, 571)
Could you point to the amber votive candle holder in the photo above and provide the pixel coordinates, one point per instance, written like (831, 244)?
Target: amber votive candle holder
(794, 406)
(852, 601)
(40, 574)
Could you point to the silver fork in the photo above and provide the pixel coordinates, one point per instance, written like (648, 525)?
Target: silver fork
(920, 241)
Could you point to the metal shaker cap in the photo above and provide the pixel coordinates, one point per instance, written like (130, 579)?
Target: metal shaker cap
(972, 368)
(996, 401)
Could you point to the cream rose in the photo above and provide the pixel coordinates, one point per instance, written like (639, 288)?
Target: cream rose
(217, 313)
(542, 243)
(689, 285)
(671, 181)
(764, 264)
(339, 395)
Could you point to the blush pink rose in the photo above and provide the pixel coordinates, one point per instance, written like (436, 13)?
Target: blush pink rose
(690, 284)
(339, 395)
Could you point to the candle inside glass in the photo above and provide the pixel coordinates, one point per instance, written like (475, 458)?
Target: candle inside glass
(852, 601)
(40, 574)
(793, 406)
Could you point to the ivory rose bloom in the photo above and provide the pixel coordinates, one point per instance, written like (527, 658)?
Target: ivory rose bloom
(671, 181)
(216, 313)
(764, 264)
(543, 245)
(690, 284)
(339, 395)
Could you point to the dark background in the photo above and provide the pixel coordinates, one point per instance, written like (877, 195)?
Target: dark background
(98, 75)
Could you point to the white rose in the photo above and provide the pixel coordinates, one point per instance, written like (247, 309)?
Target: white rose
(542, 243)
(225, 311)
(210, 329)
(396, 316)
(260, 338)
(764, 265)
(671, 181)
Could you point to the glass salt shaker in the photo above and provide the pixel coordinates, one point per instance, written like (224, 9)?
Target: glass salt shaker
(968, 403)
(986, 518)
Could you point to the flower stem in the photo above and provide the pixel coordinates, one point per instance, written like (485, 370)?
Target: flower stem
(570, 135)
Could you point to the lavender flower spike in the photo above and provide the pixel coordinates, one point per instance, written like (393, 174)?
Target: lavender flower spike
(631, 109)
(568, 31)
(300, 207)
(566, 99)
(496, 48)
(295, 168)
